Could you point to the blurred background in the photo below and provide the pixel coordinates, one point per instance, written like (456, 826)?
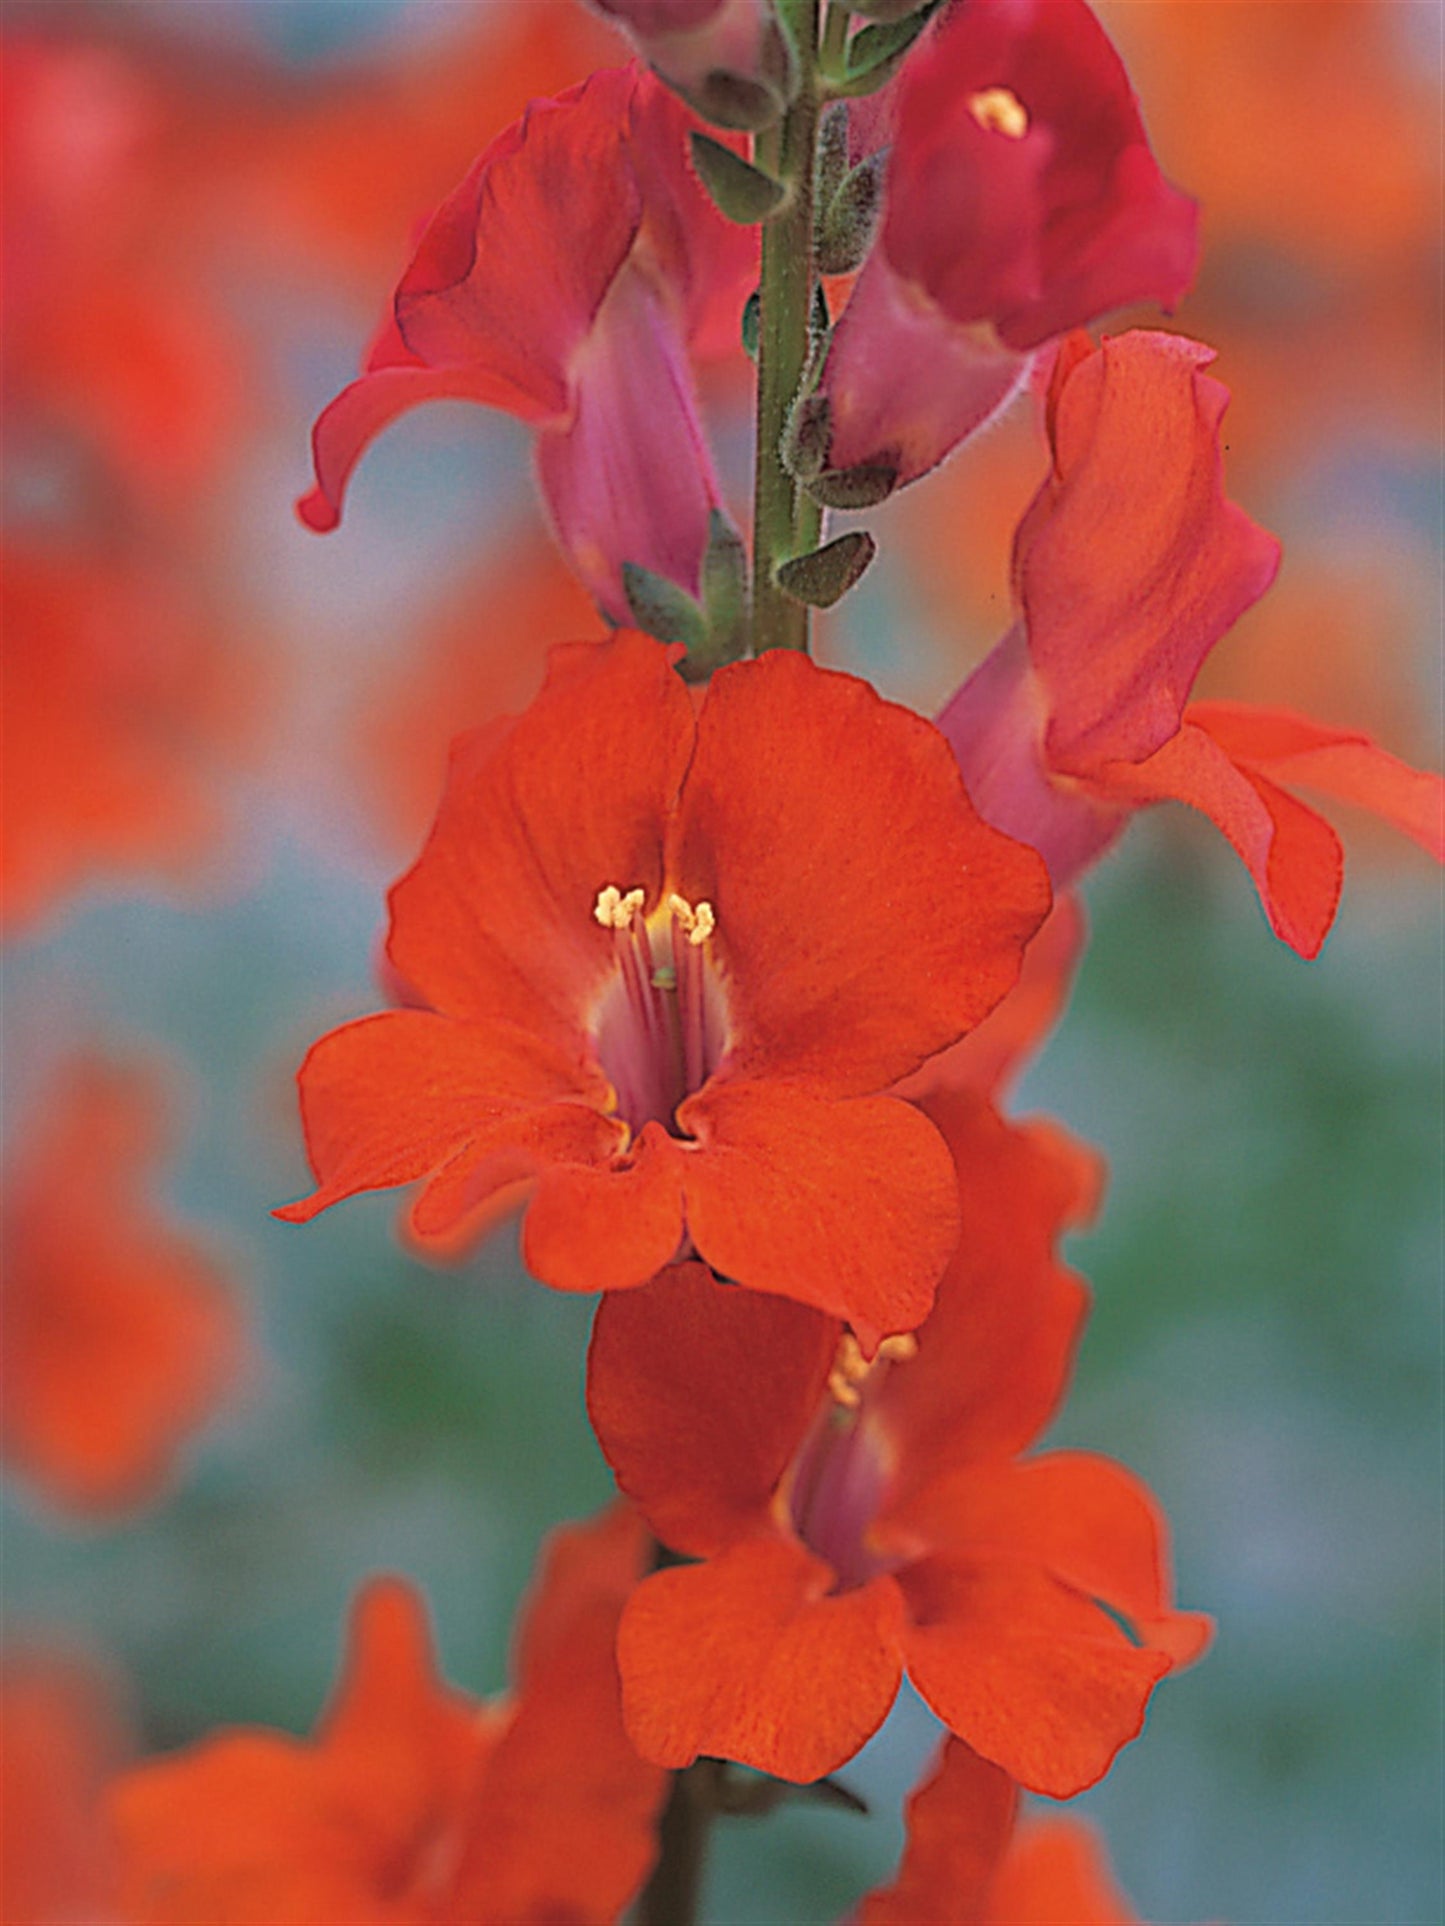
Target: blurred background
(224, 737)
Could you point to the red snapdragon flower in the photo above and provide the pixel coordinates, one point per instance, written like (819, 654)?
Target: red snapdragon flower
(1021, 200)
(968, 1857)
(564, 281)
(850, 1521)
(414, 1805)
(671, 963)
(1129, 566)
(121, 1336)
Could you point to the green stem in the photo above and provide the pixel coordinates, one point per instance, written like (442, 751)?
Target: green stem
(786, 298)
(671, 1896)
(835, 38)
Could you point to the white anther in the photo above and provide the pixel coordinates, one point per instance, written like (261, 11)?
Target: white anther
(613, 910)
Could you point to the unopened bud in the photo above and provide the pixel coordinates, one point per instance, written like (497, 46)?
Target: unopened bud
(739, 190)
(845, 232)
(825, 576)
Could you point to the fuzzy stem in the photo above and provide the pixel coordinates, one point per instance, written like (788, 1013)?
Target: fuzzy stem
(786, 299)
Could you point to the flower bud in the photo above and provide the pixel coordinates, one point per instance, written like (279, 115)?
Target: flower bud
(729, 59)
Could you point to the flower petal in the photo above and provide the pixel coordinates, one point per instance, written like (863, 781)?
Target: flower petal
(1340, 762)
(1293, 855)
(1131, 562)
(700, 1394)
(496, 917)
(994, 1355)
(1029, 1672)
(960, 1823)
(747, 1657)
(846, 1205)
(607, 1229)
(866, 917)
(401, 1095)
(1084, 1520)
(1057, 1869)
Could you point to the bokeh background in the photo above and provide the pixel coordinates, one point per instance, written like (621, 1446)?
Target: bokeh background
(223, 738)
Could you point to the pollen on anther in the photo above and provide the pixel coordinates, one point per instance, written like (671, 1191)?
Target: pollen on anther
(613, 910)
(1000, 111)
(698, 923)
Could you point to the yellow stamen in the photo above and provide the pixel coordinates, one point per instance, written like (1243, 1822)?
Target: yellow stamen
(999, 111)
(698, 924)
(613, 910)
(851, 1369)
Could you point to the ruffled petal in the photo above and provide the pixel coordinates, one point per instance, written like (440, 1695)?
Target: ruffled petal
(700, 1394)
(514, 266)
(1029, 1672)
(1131, 563)
(346, 428)
(848, 1206)
(1339, 762)
(960, 1823)
(1083, 1519)
(404, 1094)
(1292, 854)
(496, 918)
(563, 1824)
(595, 1229)
(866, 917)
(748, 1657)
(994, 1356)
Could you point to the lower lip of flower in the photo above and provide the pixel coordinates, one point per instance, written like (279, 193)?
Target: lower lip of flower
(661, 1028)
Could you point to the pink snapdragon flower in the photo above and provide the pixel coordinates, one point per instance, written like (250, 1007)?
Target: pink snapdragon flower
(565, 281)
(1021, 200)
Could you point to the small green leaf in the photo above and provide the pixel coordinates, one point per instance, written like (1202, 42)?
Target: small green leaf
(724, 600)
(826, 575)
(875, 54)
(742, 192)
(661, 609)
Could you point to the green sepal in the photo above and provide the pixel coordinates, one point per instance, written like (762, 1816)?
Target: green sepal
(876, 54)
(724, 601)
(661, 609)
(752, 325)
(739, 190)
(865, 486)
(825, 576)
(832, 162)
(845, 232)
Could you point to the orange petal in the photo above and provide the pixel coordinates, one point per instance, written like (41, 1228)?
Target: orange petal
(496, 918)
(866, 916)
(1083, 1519)
(1340, 762)
(994, 1355)
(700, 1394)
(847, 1205)
(747, 1657)
(1027, 1671)
(960, 1822)
(607, 1229)
(1293, 855)
(563, 1826)
(406, 1094)
(1131, 563)
(1057, 1870)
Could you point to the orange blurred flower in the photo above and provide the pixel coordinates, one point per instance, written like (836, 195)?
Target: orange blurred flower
(120, 1335)
(413, 1804)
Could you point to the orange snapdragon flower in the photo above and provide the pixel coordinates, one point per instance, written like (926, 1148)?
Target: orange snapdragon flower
(414, 1805)
(1129, 566)
(968, 1857)
(120, 1335)
(853, 1520)
(671, 962)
